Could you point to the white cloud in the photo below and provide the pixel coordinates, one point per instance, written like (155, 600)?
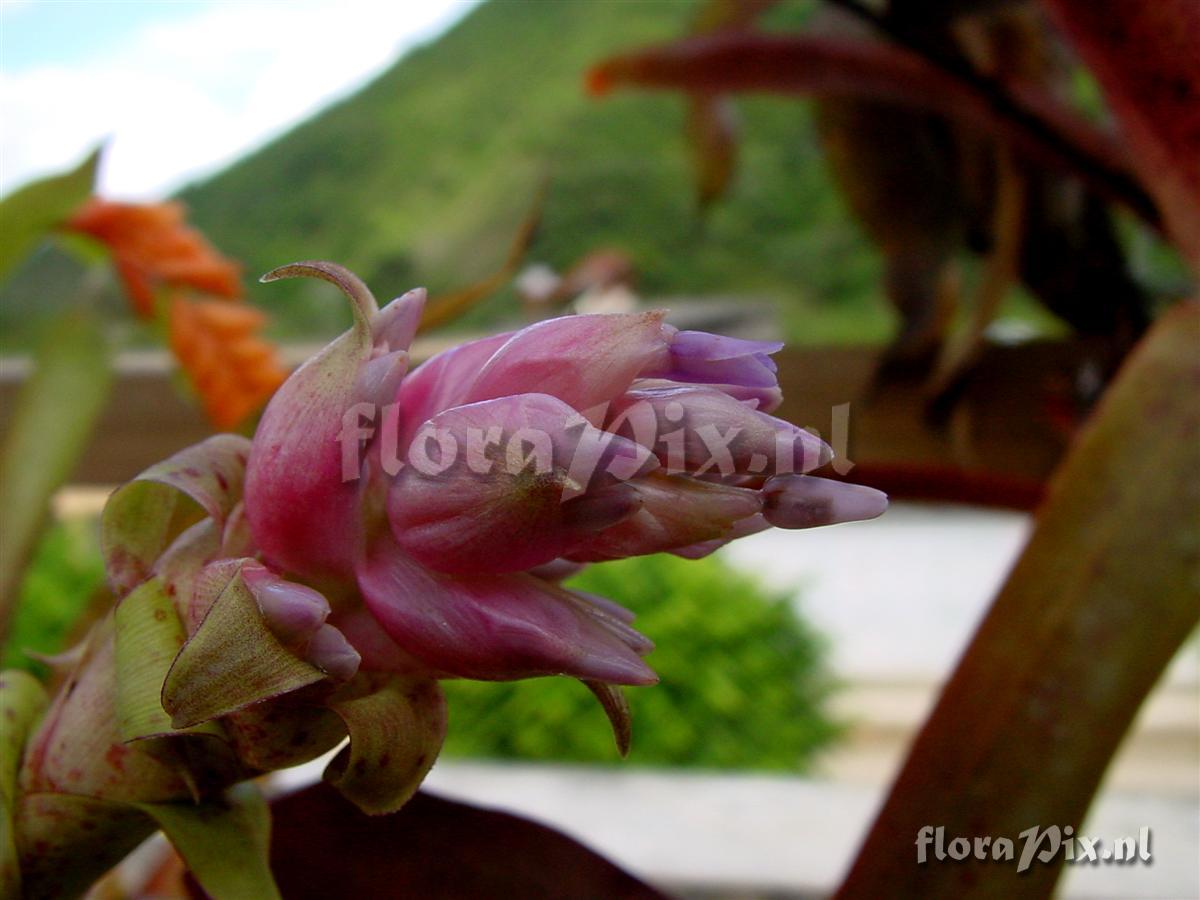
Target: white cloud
(12, 6)
(182, 98)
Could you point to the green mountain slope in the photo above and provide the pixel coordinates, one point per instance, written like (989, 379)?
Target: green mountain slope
(422, 177)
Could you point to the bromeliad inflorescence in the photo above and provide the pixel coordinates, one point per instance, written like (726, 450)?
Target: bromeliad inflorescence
(385, 530)
(501, 464)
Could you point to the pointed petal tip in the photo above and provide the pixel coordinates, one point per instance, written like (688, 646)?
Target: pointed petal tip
(355, 289)
(624, 669)
(557, 570)
(614, 618)
(869, 503)
(330, 652)
(805, 501)
(292, 611)
(616, 707)
(824, 454)
(290, 270)
(398, 322)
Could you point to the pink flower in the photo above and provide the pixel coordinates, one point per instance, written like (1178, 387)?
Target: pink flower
(384, 530)
(450, 500)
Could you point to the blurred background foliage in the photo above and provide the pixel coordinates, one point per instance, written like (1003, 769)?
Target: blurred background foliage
(424, 175)
(65, 573)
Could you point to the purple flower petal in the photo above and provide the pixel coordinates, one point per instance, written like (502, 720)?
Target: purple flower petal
(492, 628)
(748, 526)
(557, 570)
(802, 501)
(676, 512)
(584, 361)
(504, 485)
(697, 357)
(704, 431)
(293, 612)
(395, 326)
(330, 651)
(443, 382)
(700, 345)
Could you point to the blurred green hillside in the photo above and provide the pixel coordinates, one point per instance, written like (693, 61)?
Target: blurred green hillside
(423, 177)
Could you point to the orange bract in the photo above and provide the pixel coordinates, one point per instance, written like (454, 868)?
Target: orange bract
(153, 247)
(232, 369)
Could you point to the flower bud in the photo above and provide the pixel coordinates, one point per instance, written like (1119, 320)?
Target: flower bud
(802, 501)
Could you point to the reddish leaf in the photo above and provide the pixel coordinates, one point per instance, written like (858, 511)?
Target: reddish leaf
(1147, 58)
(322, 846)
(747, 61)
(1098, 604)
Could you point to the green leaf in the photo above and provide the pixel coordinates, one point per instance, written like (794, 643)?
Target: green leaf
(225, 844)
(22, 699)
(396, 725)
(1098, 604)
(31, 211)
(142, 518)
(49, 428)
(149, 635)
(233, 659)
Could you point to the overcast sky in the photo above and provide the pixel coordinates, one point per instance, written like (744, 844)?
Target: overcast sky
(182, 88)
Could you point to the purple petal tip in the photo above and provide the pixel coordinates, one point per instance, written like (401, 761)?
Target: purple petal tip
(802, 501)
(330, 652)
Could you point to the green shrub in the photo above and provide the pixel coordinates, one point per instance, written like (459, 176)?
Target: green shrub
(743, 680)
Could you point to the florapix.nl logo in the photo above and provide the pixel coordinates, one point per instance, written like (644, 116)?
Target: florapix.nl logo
(1035, 844)
(627, 442)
